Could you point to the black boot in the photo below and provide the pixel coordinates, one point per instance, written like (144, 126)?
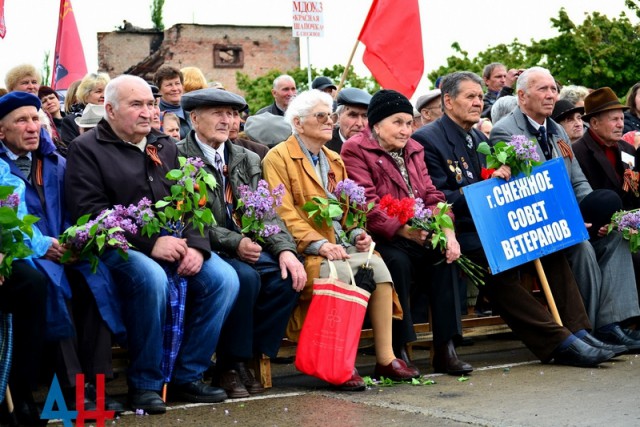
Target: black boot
(445, 360)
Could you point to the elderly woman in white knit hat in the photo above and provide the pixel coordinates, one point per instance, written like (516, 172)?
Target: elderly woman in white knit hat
(91, 116)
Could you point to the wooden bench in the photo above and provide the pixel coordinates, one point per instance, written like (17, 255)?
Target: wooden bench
(472, 326)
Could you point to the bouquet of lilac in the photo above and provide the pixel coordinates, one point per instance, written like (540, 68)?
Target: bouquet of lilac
(88, 239)
(13, 229)
(520, 154)
(349, 206)
(257, 207)
(628, 223)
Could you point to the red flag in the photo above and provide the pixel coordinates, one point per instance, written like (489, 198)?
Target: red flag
(69, 64)
(3, 27)
(393, 37)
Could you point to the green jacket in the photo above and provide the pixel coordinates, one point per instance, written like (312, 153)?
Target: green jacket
(244, 169)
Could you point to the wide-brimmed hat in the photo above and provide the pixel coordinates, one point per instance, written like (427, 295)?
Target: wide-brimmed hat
(563, 109)
(603, 99)
(91, 116)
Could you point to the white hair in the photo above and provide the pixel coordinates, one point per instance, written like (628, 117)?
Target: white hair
(302, 105)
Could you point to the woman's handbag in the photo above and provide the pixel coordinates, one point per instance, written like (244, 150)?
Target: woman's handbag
(331, 331)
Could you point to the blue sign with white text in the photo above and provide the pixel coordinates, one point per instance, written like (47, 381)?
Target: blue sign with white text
(526, 218)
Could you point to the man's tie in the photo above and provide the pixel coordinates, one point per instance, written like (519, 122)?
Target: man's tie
(544, 143)
(315, 159)
(24, 164)
(228, 195)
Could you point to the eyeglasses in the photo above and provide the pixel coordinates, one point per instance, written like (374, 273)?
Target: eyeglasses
(321, 116)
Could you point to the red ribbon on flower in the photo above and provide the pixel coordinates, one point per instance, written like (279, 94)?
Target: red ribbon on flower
(486, 173)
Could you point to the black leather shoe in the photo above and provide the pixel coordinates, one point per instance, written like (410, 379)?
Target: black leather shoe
(147, 400)
(252, 385)
(110, 404)
(617, 336)
(595, 342)
(634, 334)
(445, 360)
(197, 392)
(582, 355)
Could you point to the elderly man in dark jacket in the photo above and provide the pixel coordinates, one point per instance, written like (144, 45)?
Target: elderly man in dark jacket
(271, 274)
(121, 161)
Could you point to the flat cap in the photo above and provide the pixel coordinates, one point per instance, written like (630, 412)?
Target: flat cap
(14, 100)
(267, 129)
(155, 91)
(353, 96)
(427, 98)
(210, 97)
(322, 83)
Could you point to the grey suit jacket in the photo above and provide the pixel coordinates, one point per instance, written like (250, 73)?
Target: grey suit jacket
(515, 123)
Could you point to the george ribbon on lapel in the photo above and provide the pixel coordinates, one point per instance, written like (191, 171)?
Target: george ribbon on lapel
(152, 152)
(630, 181)
(565, 150)
(331, 181)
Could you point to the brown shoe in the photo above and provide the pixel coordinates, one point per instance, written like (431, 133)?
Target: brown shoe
(230, 382)
(252, 385)
(445, 360)
(397, 370)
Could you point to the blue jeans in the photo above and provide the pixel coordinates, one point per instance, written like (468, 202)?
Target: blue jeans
(142, 286)
(260, 315)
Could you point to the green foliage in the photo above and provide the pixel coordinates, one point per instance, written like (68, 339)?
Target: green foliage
(258, 91)
(12, 232)
(598, 52)
(156, 14)
(186, 206)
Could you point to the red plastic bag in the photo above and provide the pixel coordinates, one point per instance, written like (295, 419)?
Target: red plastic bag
(331, 331)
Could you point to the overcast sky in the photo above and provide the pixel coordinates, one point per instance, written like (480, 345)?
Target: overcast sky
(32, 26)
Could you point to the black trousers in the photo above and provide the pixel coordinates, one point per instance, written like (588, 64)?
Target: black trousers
(409, 262)
(24, 294)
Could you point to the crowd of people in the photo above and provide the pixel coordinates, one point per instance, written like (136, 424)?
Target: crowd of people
(117, 138)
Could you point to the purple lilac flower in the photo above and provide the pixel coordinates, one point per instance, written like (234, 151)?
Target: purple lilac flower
(12, 201)
(630, 220)
(420, 212)
(347, 188)
(525, 148)
(269, 230)
(259, 204)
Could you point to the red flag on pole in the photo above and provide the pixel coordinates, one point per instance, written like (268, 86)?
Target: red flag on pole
(393, 37)
(69, 64)
(3, 27)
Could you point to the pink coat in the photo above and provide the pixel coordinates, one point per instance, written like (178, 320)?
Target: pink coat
(371, 167)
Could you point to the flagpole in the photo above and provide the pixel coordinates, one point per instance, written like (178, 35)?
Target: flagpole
(309, 62)
(346, 68)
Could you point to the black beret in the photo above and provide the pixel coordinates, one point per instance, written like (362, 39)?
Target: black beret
(353, 96)
(210, 97)
(15, 100)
